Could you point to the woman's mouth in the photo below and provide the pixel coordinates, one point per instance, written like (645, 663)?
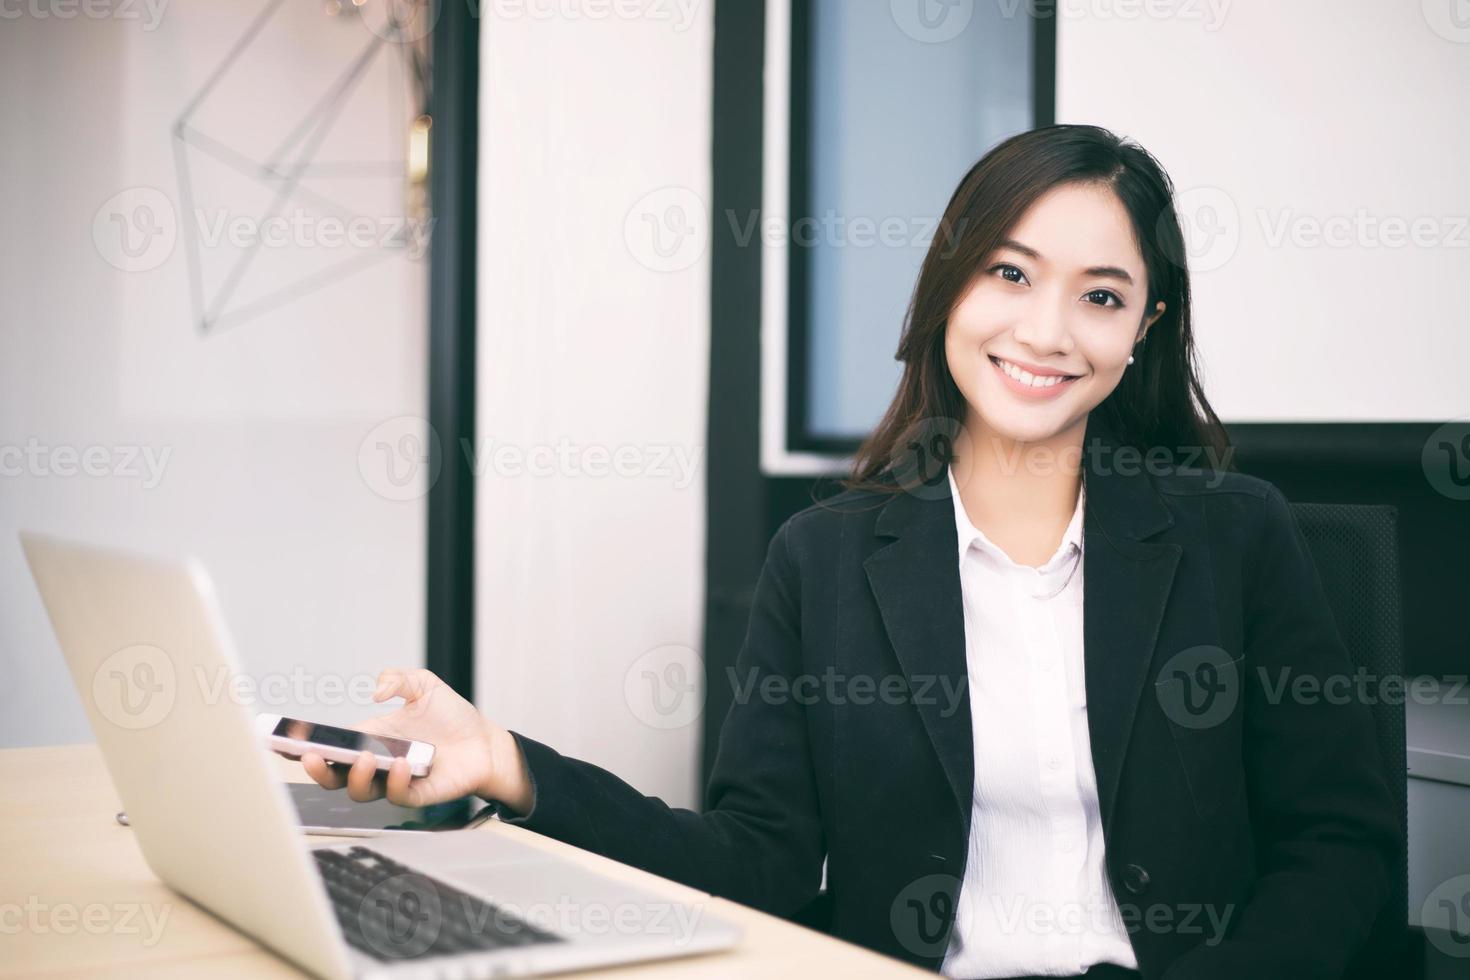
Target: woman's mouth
(1031, 385)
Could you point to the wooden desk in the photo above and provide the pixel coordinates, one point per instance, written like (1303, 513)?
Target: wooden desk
(77, 899)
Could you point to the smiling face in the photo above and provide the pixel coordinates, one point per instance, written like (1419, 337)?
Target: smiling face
(1043, 333)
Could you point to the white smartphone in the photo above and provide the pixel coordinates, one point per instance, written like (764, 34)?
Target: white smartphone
(293, 737)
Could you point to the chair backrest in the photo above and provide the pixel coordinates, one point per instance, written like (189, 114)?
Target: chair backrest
(1355, 548)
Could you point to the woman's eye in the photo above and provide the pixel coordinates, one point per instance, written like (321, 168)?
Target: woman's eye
(1005, 267)
(1100, 297)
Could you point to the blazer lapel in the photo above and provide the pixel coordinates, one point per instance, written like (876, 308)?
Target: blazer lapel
(916, 582)
(1126, 583)
(1125, 588)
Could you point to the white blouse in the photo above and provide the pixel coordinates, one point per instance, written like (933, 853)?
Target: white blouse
(1035, 898)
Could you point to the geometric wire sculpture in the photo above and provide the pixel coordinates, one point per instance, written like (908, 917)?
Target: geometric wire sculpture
(282, 170)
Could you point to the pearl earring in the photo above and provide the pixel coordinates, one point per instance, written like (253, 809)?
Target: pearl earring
(1130, 358)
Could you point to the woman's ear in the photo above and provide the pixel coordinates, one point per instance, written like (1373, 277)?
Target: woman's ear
(1150, 320)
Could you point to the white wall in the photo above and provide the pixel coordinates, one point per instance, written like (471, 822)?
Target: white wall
(1289, 128)
(258, 426)
(590, 588)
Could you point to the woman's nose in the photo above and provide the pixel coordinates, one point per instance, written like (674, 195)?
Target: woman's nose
(1044, 329)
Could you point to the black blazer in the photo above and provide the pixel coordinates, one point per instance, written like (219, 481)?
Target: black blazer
(850, 733)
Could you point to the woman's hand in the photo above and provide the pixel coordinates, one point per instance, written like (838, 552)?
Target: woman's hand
(472, 755)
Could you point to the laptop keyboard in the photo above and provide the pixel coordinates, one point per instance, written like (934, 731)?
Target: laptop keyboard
(391, 912)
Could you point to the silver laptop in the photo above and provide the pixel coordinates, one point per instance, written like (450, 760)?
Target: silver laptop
(146, 644)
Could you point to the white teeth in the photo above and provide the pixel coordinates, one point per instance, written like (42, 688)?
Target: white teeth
(1026, 377)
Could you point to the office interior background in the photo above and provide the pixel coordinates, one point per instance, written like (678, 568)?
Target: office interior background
(500, 338)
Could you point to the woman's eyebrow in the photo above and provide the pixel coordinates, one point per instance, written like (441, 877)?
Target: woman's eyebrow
(1106, 271)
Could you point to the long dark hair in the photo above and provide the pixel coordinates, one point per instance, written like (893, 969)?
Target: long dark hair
(1158, 404)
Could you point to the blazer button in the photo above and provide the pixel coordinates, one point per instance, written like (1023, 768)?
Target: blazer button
(1135, 879)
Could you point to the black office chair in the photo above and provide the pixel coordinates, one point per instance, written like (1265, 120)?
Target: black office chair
(1355, 548)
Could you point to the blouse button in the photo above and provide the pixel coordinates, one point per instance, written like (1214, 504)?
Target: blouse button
(1135, 879)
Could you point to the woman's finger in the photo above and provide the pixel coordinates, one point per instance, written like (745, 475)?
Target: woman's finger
(400, 786)
(328, 777)
(410, 685)
(360, 783)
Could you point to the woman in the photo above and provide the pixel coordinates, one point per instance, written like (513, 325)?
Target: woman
(999, 785)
